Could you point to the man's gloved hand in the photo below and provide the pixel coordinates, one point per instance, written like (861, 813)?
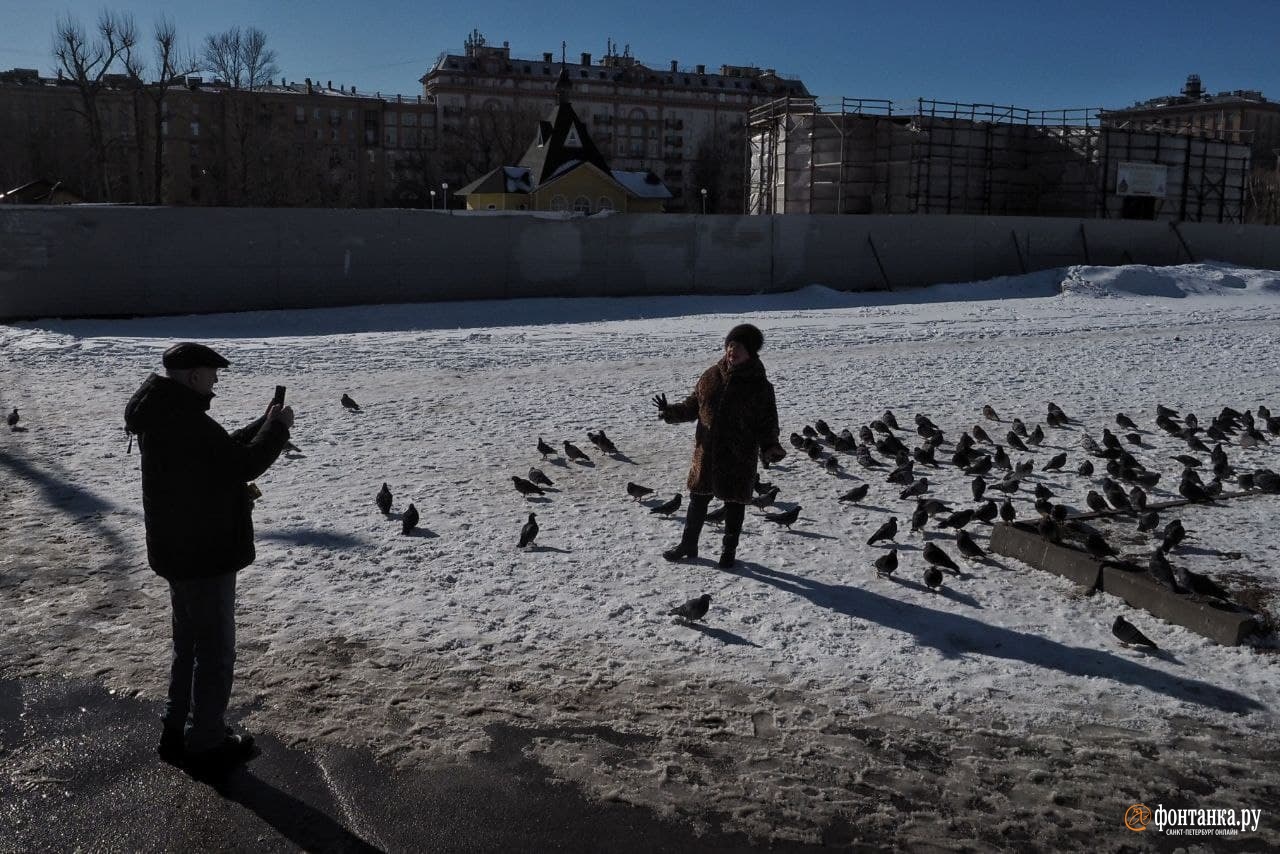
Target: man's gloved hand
(660, 401)
(773, 454)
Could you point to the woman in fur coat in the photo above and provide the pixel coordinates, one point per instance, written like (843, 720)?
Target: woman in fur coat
(737, 417)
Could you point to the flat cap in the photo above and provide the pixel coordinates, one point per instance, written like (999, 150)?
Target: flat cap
(189, 354)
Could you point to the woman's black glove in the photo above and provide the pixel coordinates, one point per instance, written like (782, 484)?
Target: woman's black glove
(660, 401)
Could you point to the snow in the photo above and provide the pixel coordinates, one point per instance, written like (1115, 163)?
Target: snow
(815, 688)
(642, 185)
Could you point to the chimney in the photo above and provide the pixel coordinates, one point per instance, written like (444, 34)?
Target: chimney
(546, 57)
(1192, 89)
(586, 59)
(329, 85)
(702, 69)
(506, 44)
(673, 67)
(308, 81)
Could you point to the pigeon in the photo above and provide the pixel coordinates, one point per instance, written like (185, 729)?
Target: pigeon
(1007, 511)
(12, 419)
(933, 506)
(383, 500)
(694, 609)
(1173, 534)
(409, 520)
(890, 419)
(1024, 468)
(887, 531)
(1138, 499)
(545, 449)
(979, 466)
(958, 519)
(526, 488)
(1007, 486)
(933, 578)
(1245, 480)
(1036, 437)
(1188, 461)
(1056, 462)
(528, 531)
(1095, 545)
(601, 441)
(1116, 496)
(989, 413)
(1085, 468)
(1200, 585)
(349, 403)
(1161, 570)
(573, 452)
(1148, 521)
(1019, 428)
(920, 487)
(979, 488)
(832, 465)
(1125, 422)
(536, 476)
(919, 518)
(1001, 459)
(1193, 491)
(968, 547)
(857, 493)
(668, 507)
(1042, 491)
(1165, 412)
(763, 501)
(797, 441)
(935, 556)
(887, 563)
(815, 452)
(787, 518)
(637, 491)
(987, 512)
(981, 435)
(1266, 480)
(1128, 633)
(717, 516)
(760, 486)
(1134, 439)
(1014, 441)
(1048, 529)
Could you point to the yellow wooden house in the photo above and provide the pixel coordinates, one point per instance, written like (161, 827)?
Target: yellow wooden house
(563, 170)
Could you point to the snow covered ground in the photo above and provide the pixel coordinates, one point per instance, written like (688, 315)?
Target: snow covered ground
(818, 701)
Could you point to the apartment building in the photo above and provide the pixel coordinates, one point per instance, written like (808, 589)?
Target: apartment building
(686, 125)
(1241, 115)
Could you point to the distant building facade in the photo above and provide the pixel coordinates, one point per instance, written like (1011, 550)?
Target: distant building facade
(687, 126)
(1241, 115)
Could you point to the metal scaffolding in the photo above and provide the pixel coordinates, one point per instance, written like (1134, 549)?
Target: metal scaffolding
(861, 156)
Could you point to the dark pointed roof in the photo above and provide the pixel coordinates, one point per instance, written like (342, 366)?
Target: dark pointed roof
(561, 140)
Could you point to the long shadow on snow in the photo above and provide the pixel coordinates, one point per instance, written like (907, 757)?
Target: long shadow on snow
(463, 315)
(953, 635)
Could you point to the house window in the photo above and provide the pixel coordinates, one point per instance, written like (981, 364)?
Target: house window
(389, 118)
(195, 128)
(391, 136)
(409, 119)
(559, 203)
(300, 114)
(582, 205)
(605, 203)
(491, 208)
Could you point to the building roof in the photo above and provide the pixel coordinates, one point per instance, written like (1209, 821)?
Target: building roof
(643, 185)
(562, 139)
(504, 179)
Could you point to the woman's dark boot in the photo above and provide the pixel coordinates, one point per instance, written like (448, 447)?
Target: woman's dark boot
(688, 547)
(733, 516)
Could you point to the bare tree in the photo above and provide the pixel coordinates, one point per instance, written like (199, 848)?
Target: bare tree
(259, 60)
(240, 58)
(86, 62)
(171, 66)
(223, 54)
(487, 138)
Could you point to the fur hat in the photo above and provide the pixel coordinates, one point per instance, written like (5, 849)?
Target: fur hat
(748, 336)
(188, 354)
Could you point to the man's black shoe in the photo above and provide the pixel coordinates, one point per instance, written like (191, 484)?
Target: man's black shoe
(679, 553)
(234, 750)
(172, 747)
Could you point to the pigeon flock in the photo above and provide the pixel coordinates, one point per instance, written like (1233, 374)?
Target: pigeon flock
(1115, 482)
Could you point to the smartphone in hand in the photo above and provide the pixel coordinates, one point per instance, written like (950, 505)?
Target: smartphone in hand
(278, 398)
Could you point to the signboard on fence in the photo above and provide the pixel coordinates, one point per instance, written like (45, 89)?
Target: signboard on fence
(1142, 179)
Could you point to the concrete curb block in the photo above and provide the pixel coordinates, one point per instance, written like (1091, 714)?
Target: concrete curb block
(1218, 624)
(1228, 627)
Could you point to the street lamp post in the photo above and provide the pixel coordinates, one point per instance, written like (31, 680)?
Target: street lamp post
(704, 201)
(444, 191)
(433, 199)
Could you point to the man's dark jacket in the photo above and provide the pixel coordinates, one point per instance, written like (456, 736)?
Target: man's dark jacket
(195, 495)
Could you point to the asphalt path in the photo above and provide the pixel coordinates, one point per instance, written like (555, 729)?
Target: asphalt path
(78, 771)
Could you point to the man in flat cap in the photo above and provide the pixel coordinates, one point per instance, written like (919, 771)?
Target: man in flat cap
(198, 511)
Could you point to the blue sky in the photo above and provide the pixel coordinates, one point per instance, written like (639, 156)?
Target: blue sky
(1031, 54)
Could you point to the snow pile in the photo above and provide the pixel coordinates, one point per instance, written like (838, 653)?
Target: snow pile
(1206, 280)
(815, 688)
